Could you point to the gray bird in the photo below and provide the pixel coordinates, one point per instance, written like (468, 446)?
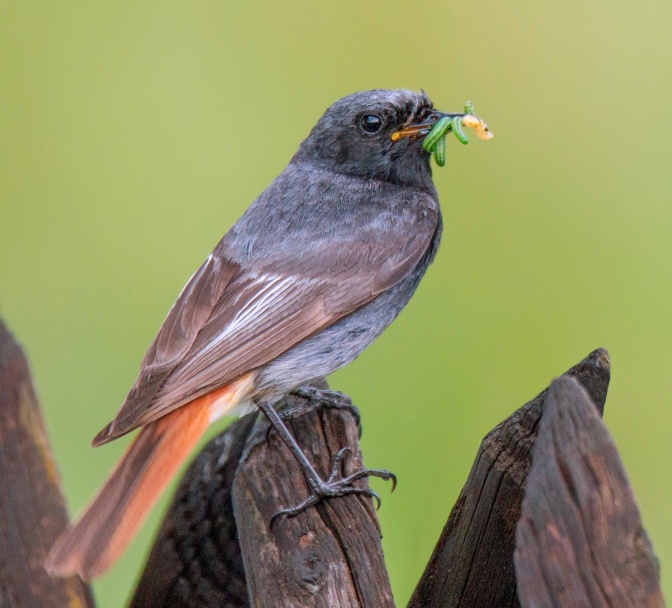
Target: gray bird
(312, 273)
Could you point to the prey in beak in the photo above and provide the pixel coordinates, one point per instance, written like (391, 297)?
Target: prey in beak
(436, 126)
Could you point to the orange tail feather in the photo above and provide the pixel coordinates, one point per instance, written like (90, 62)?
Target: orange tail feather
(102, 533)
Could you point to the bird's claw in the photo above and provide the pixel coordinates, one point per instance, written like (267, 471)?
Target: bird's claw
(336, 465)
(336, 486)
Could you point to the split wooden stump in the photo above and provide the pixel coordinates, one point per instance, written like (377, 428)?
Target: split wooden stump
(580, 540)
(546, 518)
(472, 564)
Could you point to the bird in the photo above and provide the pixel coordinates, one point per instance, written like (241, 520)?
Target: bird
(311, 274)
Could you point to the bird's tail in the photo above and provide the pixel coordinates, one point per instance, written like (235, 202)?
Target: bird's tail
(106, 527)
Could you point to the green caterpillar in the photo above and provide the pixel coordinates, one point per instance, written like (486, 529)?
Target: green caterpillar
(435, 141)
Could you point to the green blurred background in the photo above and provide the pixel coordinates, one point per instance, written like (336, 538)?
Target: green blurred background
(133, 134)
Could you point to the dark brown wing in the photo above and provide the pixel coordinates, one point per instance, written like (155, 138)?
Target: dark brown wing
(259, 318)
(222, 327)
(185, 319)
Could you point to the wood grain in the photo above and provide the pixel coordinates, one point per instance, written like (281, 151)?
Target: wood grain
(328, 556)
(580, 541)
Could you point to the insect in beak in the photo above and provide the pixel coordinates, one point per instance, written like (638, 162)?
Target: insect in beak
(436, 127)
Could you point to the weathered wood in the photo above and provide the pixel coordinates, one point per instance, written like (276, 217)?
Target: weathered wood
(329, 556)
(580, 541)
(32, 509)
(472, 563)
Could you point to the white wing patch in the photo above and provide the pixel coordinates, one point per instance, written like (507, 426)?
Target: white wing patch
(273, 288)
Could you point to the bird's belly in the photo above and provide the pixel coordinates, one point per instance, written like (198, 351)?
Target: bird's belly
(338, 344)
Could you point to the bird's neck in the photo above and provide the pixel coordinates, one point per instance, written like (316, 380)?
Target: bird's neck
(415, 174)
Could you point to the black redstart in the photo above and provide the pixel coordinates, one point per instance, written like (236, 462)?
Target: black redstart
(312, 273)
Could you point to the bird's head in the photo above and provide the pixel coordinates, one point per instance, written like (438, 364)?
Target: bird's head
(375, 135)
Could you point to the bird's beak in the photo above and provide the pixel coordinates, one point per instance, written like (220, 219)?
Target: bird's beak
(423, 128)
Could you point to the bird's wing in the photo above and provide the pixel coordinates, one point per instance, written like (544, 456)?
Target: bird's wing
(228, 321)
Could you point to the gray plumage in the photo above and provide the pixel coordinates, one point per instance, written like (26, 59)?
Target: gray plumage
(320, 263)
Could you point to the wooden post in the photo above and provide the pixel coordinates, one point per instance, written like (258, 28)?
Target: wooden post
(32, 509)
(472, 564)
(580, 541)
(329, 556)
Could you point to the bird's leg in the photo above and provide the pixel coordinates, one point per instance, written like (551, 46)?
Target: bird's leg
(320, 489)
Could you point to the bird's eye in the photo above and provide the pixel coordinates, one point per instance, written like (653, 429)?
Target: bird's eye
(371, 123)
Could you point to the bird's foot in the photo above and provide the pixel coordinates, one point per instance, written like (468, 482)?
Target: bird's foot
(336, 486)
(316, 397)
